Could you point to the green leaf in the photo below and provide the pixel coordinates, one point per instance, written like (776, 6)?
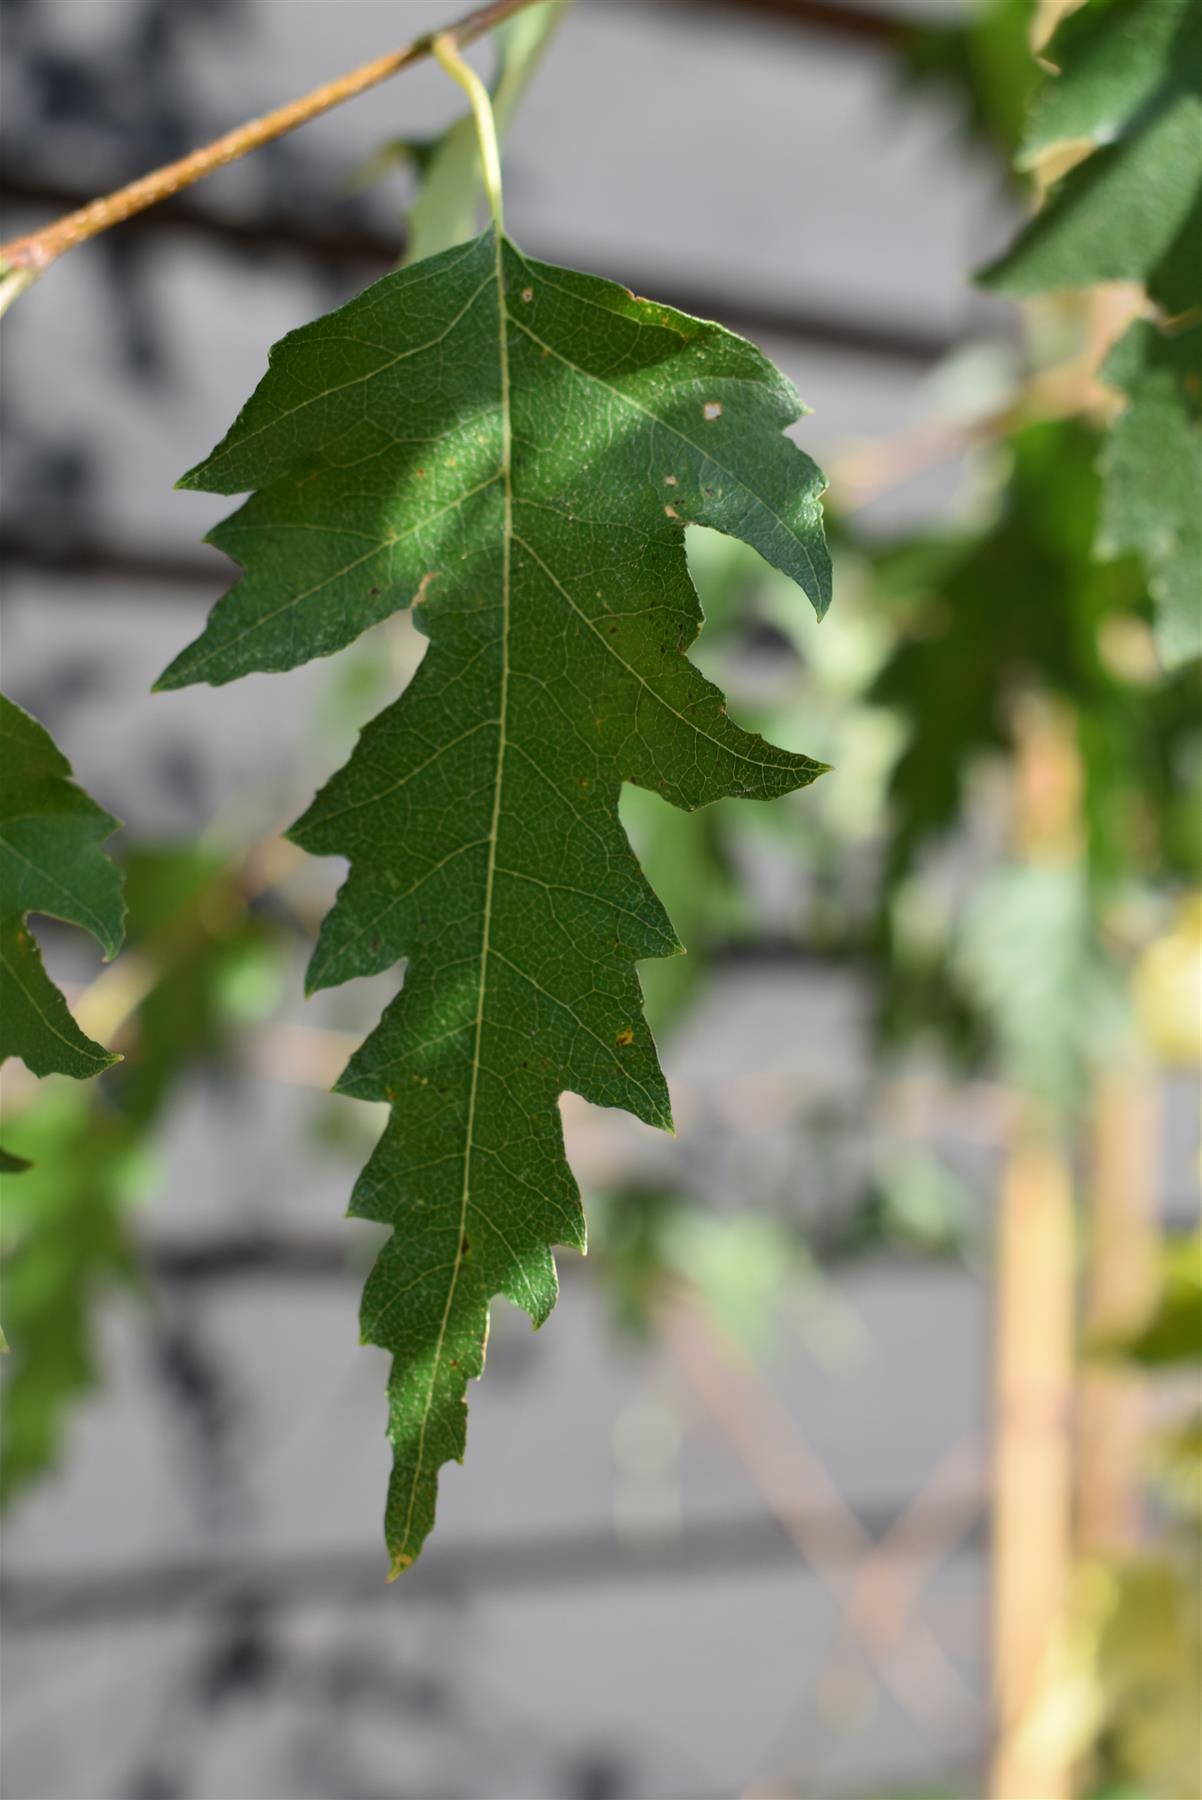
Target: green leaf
(50, 862)
(515, 450)
(1132, 85)
(1116, 61)
(1152, 476)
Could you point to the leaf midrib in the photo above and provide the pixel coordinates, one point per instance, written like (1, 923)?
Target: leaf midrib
(402, 1557)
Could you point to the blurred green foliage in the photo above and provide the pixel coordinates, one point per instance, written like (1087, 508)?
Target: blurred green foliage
(1115, 130)
(1128, 1690)
(983, 64)
(67, 1236)
(1173, 1334)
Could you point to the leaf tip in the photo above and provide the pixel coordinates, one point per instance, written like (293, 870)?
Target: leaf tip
(194, 666)
(192, 479)
(111, 946)
(997, 276)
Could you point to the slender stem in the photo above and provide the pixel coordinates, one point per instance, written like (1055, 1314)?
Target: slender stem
(448, 56)
(23, 259)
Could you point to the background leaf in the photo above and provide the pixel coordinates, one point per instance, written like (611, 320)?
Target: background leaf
(1130, 84)
(1131, 88)
(1152, 476)
(67, 1241)
(50, 862)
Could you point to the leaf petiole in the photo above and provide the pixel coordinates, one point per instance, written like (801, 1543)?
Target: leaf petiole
(23, 259)
(446, 53)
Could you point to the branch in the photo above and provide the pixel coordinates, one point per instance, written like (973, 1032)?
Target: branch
(23, 259)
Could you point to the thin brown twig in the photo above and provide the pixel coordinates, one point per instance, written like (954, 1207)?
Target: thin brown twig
(888, 1579)
(24, 258)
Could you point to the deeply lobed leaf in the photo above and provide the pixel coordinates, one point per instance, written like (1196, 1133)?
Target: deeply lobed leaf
(515, 450)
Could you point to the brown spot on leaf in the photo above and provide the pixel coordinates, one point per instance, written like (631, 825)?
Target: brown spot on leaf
(624, 1037)
(712, 409)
